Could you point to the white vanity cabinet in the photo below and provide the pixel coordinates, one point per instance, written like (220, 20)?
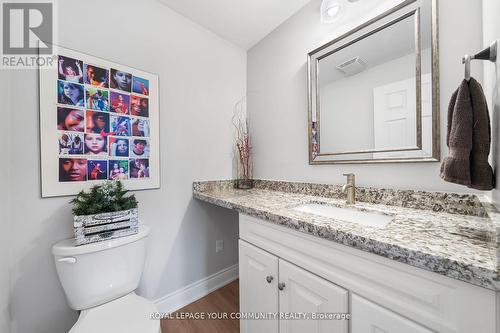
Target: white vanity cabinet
(272, 285)
(321, 276)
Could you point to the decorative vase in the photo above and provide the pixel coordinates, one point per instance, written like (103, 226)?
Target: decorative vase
(104, 226)
(243, 184)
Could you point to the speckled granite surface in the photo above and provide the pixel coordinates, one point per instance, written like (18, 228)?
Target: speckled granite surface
(450, 234)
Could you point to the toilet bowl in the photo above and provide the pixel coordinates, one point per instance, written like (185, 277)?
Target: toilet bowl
(99, 280)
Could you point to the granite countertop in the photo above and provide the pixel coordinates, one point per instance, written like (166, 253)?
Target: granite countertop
(456, 235)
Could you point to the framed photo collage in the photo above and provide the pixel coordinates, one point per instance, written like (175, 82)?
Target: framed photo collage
(98, 122)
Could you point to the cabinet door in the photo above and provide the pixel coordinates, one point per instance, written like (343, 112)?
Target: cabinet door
(258, 288)
(370, 317)
(304, 292)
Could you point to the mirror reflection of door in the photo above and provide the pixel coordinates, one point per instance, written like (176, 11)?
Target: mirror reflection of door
(395, 119)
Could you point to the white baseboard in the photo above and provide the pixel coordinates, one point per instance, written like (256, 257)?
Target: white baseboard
(184, 296)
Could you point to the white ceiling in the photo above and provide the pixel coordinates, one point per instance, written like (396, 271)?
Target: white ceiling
(242, 22)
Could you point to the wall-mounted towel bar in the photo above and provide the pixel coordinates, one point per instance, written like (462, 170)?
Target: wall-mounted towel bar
(489, 53)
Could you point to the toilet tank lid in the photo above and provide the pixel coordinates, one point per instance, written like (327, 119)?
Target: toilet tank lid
(67, 247)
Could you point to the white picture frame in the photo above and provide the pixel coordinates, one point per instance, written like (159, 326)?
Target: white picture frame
(55, 156)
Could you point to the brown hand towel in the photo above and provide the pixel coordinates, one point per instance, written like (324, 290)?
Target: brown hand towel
(456, 166)
(480, 171)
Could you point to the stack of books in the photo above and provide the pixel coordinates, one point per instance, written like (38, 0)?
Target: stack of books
(105, 226)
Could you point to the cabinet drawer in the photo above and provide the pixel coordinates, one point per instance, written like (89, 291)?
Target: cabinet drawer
(370, 317)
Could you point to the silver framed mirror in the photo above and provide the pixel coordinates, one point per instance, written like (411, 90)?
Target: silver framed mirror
(373, 93)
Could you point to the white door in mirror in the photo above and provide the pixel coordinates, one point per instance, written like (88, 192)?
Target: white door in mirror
(395, 118)
(394, 124)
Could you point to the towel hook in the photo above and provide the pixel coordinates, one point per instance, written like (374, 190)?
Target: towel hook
(489, 53)
(466, 60)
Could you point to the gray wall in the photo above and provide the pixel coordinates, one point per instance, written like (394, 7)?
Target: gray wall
(201, 77)
(491, 31)
(277, 100)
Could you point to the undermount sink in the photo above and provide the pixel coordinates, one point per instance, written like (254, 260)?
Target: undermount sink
(373, 219)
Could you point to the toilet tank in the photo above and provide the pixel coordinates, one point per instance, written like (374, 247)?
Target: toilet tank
(97, 273)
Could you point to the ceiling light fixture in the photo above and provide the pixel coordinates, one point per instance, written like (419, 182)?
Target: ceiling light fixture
(334, 10)
(331, 11)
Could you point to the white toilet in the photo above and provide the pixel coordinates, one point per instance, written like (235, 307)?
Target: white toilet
(99, 279)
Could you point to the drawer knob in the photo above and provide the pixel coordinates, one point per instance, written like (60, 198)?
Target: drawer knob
(269, 279)
(281, 285)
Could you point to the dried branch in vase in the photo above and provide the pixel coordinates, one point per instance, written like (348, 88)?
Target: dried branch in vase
(243, 142)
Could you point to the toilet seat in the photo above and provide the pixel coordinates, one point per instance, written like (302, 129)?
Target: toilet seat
(127, 314)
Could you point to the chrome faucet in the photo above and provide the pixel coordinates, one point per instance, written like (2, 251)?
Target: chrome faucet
(350, 188)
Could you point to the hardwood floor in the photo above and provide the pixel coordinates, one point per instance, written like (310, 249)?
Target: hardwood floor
(222, 301)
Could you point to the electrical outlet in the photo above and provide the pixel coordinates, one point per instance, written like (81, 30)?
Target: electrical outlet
(219, 245)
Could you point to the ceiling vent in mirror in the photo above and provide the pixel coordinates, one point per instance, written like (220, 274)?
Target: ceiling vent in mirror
(352, 66)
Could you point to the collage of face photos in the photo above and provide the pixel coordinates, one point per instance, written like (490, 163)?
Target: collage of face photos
(102, 122)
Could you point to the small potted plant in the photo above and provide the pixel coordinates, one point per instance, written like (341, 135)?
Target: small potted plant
(243, 146)
(104, 212)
